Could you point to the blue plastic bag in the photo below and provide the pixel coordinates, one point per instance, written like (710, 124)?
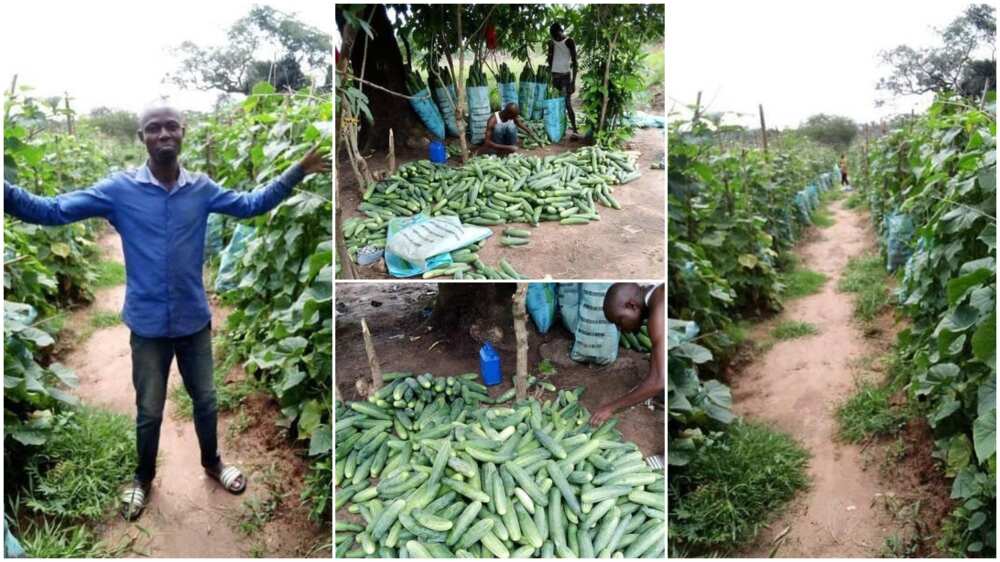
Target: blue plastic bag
(900, 232)
(555, 118)
(479, 112)
(226, 278)
(569, 305)
(508, 94)
(422, 103)
(541, 305)
(447, 107)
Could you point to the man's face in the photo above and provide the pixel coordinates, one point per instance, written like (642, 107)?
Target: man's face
(557, 34)
(628, 317)
(162, 132)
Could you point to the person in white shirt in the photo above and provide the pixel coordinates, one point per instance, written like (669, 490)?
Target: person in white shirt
(563, 65)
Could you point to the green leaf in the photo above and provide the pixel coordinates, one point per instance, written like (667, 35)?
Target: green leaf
(984, 341)
(321, 441)
(293, 344)
(984, 435)
(262, 88)
(719, 402)
(61, 249)
(694, 352)
(36, 336)
(959, 454)
(311, 416)
(748, 261)
(987, 396)
(960, 319)
(965, 485)
(959, 286)
(977, 520)
(65, 375)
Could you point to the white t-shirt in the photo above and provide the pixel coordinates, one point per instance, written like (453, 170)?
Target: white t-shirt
(562, 62)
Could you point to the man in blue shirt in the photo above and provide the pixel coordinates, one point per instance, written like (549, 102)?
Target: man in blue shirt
(160, 211)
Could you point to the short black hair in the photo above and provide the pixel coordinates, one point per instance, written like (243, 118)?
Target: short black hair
(555, 27)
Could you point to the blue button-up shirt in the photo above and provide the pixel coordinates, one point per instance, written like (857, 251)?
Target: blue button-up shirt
(163, 236)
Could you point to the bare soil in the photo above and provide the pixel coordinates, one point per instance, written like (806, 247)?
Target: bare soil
(189, 514)
(624, 244)
(850, 507)
(405, 341)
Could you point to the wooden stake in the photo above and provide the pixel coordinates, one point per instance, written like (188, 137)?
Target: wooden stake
(521, 336)
(372, 357)
(69, 116)
(867, 185)
(697, 107)
(986, 89)
(763, 129)
(392, 153)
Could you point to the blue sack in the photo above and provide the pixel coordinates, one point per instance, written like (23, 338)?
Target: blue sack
(541, 305)
(508, 94)
(397, 266)
(479, 112)
(526, 97)
(422, 103)
(596, 339)
(539, 110)
(900, 232)
(447, 107)
(555, 118)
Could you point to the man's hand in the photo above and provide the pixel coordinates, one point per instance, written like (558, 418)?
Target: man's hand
(314, 162)
(601, 415)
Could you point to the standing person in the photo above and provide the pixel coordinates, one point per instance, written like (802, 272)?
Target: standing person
(843, 170)
(563, 65)
(626, 305)
(501, 131)
(161, 211)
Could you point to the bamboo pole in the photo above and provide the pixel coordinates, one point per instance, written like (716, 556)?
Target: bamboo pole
(763, 129)
(372, 356)
(521, 336)
(392, 153)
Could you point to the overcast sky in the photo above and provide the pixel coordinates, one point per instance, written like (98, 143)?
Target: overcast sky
(116, 53)
(797, 58)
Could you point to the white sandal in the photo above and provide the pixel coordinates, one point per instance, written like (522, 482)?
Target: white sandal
(228, 477)
(133, 500)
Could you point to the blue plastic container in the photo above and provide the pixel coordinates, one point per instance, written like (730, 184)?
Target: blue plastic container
(489, 365)
(438, 153)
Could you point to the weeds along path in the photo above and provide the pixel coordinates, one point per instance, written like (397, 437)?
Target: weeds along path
(796, 386)
(188, 514)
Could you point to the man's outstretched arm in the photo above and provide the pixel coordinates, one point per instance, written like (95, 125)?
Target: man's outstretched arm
(61, 209)
(259, 201)
(651, 386)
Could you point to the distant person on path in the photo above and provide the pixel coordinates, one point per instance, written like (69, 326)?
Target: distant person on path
(843, 170)
(501, 131)
(562, 61)
(161, 211)
(626, 305)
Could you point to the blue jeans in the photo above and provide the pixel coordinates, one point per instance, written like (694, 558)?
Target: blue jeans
(151, 359)
(505, 133)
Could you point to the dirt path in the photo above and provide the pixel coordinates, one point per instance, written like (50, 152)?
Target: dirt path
(188, 515)
(624, 244)
(796, 386)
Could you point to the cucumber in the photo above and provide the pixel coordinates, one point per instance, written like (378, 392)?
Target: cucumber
(507, 241)
(517, 233)
(432, 522)
(462, 523)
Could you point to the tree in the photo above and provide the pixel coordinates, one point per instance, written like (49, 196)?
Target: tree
(832, 130)
(116, 123)
(234, 67)
(950, 67)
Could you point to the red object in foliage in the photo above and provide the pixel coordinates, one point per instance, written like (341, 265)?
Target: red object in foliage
(491, 37)
(336, 53)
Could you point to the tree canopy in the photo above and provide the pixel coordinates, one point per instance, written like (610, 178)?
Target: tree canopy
(834, 131)
(950, 67)
(235, 67)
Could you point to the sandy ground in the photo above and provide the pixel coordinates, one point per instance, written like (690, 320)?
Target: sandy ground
(189, 514)
(405, 342)
(796, 386)
(625, 244)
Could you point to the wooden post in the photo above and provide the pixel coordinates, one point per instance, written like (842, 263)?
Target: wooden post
(867, 184)
(392, 154)
(521, 336)
(697, 107)
(986, 89)
(458, 80)
(69, 116)
(763, 129)
(372, 357)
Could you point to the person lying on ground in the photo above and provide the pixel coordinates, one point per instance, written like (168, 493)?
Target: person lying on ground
(562, 60)
(160, 212)
(626, 305)
(501, 130)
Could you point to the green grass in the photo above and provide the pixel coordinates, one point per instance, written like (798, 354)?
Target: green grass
(868, 413)
(58, 539)
(855, 201)
(732, 489)
(78, 471)
(823, 219)
(866, 279)
(800, 282)
(109, 274)
(103, 319)
(791, 329)
(229, 396)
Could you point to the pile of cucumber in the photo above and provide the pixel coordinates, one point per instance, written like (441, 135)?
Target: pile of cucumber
(434, 473)
(537, 137)
(504, 75)
(488, 191)
(638, 341)
(476, 76)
